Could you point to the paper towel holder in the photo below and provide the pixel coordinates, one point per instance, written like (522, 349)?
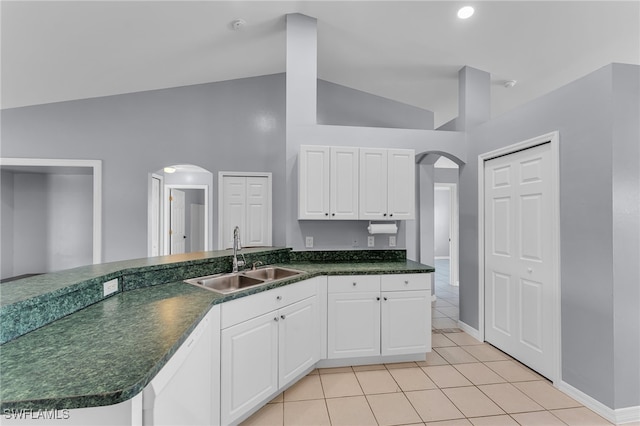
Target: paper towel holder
(383, 227)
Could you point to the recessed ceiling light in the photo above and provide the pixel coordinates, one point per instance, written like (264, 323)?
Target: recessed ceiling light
(465, 12)
(169, 169)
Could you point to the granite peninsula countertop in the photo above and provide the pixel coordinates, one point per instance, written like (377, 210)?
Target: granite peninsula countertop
(107, 351)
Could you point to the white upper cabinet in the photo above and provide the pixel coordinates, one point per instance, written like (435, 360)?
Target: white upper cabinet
(328, 183)
(401, 184)
(373, 184)
(348, 183)
(387, 184)
(313, 182)
(344, 183)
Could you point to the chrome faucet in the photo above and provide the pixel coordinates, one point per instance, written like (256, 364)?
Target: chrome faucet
(236, 246)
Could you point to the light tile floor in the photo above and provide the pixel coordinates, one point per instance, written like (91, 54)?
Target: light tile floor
(462, 382)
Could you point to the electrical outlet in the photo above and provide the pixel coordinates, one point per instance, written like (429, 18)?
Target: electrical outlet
(392, 240)
(371, 241)
(110, 287)
(308, 242)
(354, 243)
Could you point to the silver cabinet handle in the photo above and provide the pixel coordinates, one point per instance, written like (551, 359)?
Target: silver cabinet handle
(282, 316)
(406, 282)
(384, 298)
(278, 297)
(275, 319)
(354, 283)
(377, 298)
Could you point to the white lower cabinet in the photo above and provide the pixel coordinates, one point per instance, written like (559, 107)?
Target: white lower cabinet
(372, 315)
(263, 354)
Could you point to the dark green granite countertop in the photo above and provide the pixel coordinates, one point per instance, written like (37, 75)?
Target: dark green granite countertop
(108, 351)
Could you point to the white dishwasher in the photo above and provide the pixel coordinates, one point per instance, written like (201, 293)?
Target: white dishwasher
(181, 393)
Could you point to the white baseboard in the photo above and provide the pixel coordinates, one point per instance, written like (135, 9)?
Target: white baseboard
(618, 417)
(628, 415)
(469, 330)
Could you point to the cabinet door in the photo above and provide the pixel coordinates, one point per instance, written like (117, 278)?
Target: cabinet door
(373, 184)
(299, 339)
(313, 182)
(257, 230)
(249, 363)
(353, 324)
(344, 183)
(401, 183)
(406, 322)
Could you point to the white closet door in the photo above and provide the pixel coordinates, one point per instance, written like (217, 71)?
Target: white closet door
(234, 202)
(518, 262)
(177, 212)
(257, 230)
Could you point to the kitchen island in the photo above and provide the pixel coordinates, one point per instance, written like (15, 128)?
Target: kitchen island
(108, 351)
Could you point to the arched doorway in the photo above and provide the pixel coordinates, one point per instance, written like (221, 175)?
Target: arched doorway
(180, 205)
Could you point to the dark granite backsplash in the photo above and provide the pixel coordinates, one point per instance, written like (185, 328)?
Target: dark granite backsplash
(335, 256)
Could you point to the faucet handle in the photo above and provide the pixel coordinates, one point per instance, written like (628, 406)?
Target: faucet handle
(256, 263)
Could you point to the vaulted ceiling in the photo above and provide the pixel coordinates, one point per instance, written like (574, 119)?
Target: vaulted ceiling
(407, 51)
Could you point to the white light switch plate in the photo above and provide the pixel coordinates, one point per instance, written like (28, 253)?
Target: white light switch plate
(392, 240)
(371, 241)
(308, 242)
(110, 287)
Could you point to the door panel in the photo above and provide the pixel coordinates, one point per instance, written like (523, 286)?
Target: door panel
(518, 263)
(235, 199)
(353, 324)
(177, 213)
(257, 231)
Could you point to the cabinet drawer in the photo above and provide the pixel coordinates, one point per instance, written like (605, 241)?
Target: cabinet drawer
(239, 310)
(406, 282)
(353, 283)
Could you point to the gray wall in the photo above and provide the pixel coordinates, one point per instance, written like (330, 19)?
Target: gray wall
(441, 222)
(46, 222)
(626, 234)
(341, 105)
(582, 112)
(6, 224)
(235, 125)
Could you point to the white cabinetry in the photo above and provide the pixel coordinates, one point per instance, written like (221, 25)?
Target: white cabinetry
(387, 184)
(245, 201)
(184, 392)
(328, 182)
(371, 315)
(267, 340)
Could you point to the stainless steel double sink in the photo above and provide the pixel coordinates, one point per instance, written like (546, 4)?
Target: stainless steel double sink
(226, 283)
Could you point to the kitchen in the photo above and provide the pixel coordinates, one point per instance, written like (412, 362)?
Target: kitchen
(142, 128)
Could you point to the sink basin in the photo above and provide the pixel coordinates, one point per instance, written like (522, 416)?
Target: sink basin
(232, 282)
(226, 283)
(271, 273)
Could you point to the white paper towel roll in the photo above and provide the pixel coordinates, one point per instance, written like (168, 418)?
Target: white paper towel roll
(382, 228)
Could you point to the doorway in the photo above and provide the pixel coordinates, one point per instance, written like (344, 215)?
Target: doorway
(519, 246)
(186, 228)
(192, 221)
(445, 245)
(51, 214)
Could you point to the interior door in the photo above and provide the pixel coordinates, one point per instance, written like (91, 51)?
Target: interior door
(518, 256)
(177, 212)
(258, 222)
(234, 208)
